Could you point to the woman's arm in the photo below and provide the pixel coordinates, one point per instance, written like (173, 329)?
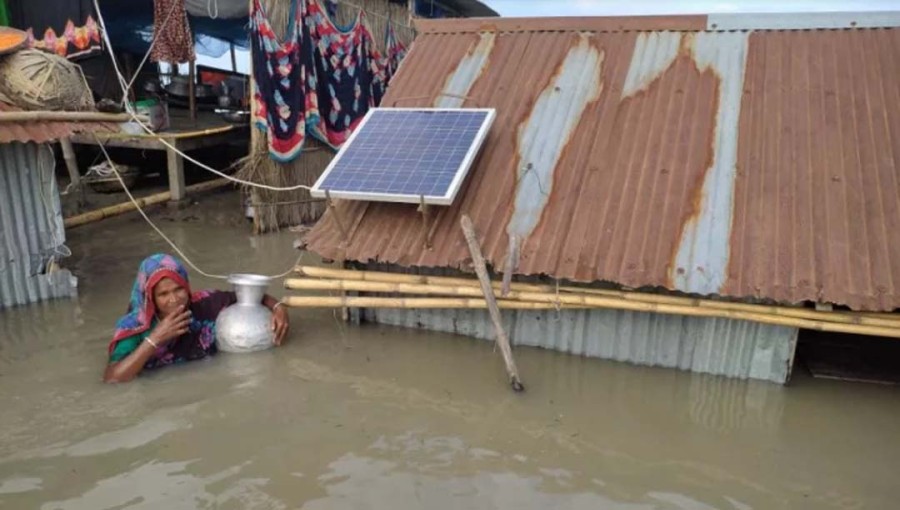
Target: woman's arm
(168, 329)
(280, 322)
(130, 366)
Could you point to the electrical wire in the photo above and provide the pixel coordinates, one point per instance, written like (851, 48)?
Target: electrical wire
(162, 234)
(130, 111)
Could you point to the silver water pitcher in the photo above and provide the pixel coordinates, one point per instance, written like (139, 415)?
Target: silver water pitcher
(246, 326)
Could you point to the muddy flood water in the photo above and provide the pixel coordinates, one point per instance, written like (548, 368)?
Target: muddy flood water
(374, 417)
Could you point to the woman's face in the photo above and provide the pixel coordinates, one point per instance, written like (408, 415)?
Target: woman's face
(168, 295)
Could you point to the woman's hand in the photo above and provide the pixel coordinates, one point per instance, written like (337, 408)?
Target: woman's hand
(280, 324)
(172, 326)
(167, 330)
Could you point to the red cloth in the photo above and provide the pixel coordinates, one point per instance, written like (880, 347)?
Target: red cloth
(173, 41)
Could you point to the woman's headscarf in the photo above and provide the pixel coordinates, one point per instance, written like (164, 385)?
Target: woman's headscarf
(141, 307)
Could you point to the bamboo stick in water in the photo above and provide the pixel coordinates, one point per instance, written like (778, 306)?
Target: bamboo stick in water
(124, 207)
(494, 311)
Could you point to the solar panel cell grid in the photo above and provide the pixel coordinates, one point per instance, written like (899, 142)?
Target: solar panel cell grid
(404, 154)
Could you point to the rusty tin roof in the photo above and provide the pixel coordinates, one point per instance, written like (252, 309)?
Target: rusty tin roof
(45, 131)
(693, 153)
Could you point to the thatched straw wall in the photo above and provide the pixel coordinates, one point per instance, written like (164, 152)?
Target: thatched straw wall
(377, 14)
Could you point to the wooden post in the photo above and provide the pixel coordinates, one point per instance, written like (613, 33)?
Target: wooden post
(345, 235)
(71, 162)
(494, 311)
(192, 92)
(512, 263)
(176, 173)
(72, 166)
(426, 222)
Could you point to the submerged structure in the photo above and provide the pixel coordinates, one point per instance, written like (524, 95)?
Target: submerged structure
(740, 157)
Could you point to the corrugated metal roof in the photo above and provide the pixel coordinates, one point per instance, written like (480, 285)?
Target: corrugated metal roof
(43, 131)
(31, 227)
(748, 163)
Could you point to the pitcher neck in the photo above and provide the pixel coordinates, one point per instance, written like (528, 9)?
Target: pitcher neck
(249, 294)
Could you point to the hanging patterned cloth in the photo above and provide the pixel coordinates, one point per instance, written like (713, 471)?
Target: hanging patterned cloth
(65, 28)
(320, 79)
(347, 67)
(73, 42)
(280, 72)
(394, 51)
(172, 33)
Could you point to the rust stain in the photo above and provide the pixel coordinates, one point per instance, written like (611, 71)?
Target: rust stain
(692, 212)
(575, 85)
(47, 131)
(460, 81)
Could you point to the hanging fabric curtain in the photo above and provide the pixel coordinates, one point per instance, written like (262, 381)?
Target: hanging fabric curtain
(65, 28)
(280, 72)
(347, 69)
(394, 51)
(172, 33)
(341, 75)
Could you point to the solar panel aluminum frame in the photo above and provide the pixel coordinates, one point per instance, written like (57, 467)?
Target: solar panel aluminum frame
(447, 199)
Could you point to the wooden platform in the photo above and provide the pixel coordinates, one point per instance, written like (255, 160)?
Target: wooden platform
(208, 130)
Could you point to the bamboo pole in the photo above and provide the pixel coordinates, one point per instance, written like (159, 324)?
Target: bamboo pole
(406, 288)
(407, 302)
(47, 116)
(494, 311)
(364, 286)
(114, 210)
(869, 319)
(378, 276)
(592, 301)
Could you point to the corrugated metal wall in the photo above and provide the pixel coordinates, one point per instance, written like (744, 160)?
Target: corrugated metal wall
(32, 236)
(717, 346)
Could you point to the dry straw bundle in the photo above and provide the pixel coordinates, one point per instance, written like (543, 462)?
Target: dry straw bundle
(276, 209)
(36, 80)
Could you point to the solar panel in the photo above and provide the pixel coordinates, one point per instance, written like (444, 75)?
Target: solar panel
(407, 154)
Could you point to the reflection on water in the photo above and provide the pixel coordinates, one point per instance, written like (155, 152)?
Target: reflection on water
(151, 485)
(380, 417)
(17, 485)
(723, 405)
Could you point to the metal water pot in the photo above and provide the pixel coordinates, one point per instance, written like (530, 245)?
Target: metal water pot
(246, 326)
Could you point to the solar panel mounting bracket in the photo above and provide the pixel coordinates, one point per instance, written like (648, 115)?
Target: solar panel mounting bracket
(427, 222)
(337, 216)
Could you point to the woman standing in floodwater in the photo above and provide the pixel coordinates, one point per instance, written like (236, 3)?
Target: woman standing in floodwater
(166, 323)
